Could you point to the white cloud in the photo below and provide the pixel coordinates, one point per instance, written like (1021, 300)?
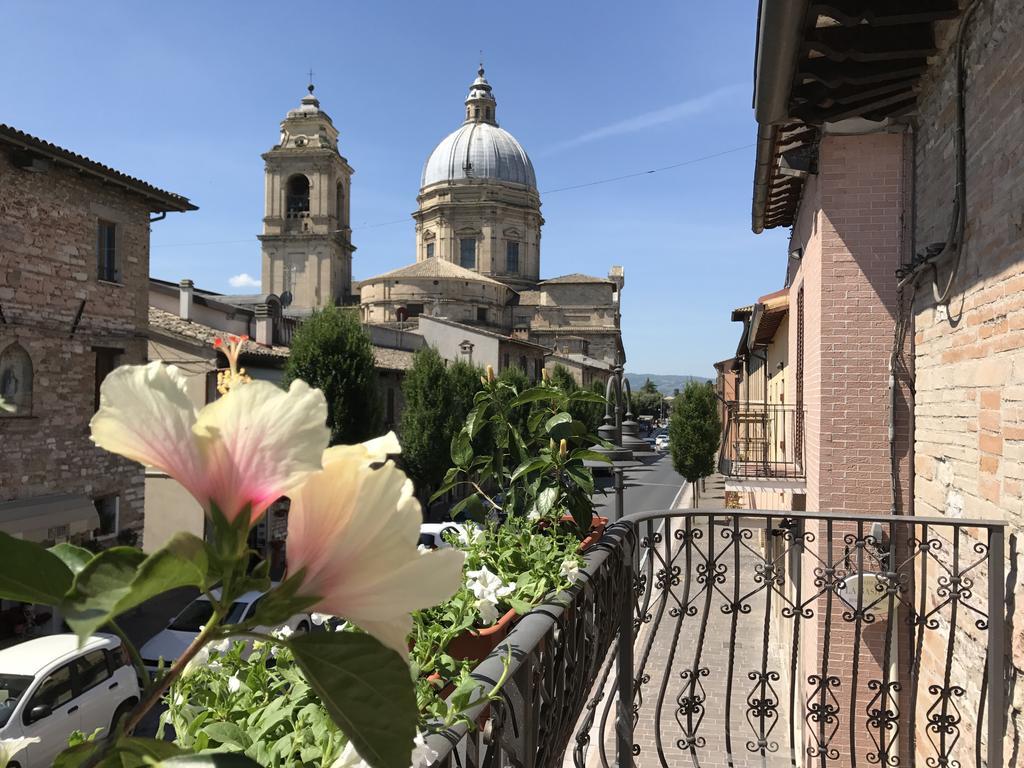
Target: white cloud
(684, 109)
(244, 280)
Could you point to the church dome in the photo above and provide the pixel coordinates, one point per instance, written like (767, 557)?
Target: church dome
(479, 149)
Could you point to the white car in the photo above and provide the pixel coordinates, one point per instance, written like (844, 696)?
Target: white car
(168, 644)
(661, 442)
(432, 534)
(50, 687)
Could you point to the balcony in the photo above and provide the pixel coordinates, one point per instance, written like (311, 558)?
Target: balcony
(736, 638)
(762, 441)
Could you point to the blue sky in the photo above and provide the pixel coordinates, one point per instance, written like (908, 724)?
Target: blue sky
(188, 95)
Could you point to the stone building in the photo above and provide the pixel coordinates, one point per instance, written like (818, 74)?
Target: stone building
(74, 267)
(307, 239)
(478, 233)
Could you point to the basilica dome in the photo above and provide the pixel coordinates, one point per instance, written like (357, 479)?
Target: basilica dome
(479, 149)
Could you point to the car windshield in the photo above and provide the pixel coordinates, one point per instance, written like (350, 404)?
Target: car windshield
(12, 688)
(198, 612)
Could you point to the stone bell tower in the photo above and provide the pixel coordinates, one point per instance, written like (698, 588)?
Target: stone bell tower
(307, 238)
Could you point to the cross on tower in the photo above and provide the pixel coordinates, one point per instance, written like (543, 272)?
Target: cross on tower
(310, 79)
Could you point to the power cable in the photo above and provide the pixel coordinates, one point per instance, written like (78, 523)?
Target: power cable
(584, 185)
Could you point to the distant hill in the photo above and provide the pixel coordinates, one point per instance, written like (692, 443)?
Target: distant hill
(665, 384)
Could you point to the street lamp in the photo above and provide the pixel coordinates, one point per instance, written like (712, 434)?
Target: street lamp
(610, 432)
(630, 428)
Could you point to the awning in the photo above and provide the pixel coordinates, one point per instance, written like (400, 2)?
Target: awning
(48, 518)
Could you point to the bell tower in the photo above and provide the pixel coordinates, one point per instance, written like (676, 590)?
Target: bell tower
(307, 239)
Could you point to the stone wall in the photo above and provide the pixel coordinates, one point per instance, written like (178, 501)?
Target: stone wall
(969, 357)
(48, 267)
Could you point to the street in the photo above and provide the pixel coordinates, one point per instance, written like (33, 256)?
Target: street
(650, 486)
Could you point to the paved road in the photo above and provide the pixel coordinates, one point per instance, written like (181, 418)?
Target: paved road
(650, 487)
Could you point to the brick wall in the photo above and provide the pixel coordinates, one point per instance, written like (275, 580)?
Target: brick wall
(48, 266)
(969, 405)
(851, 232)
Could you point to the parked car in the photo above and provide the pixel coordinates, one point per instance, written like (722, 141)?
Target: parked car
(432, 534)
(50, 687)
(169, 643)
(661, 442)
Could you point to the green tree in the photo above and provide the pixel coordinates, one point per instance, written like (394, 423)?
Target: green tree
(694, 430)
(437, 399)
(332, 352)
(649, 387)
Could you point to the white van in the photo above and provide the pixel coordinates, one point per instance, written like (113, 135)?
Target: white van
(50, 687)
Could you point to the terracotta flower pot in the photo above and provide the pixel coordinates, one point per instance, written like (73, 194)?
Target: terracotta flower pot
(477, 644)
(597, 527)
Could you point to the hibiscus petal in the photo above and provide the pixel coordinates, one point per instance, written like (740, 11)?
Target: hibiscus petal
(146, 415)
(259, 441)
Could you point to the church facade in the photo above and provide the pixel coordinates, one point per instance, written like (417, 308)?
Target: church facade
(478, 239)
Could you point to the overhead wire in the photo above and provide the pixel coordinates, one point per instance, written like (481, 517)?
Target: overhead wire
(556, 190)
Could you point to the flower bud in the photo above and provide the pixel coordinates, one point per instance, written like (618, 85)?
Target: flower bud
(563, 448)
(490, 374)
(551, 445)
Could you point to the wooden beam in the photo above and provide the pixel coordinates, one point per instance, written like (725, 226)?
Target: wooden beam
(865, 43)
(880, 13)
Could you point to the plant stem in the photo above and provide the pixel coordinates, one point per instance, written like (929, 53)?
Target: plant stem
(160, 686)
(140, 666)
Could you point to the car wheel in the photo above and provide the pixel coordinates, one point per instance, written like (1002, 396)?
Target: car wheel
(122, 710)
(302, 629)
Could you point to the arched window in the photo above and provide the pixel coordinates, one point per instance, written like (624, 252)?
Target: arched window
(297, 201)
(16, 381)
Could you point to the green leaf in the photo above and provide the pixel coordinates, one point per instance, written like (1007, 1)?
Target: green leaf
(476, 419)
(462, 449)
(30, 574)
(121, 578)
(75, 558)
(532, 395)
(546, 500)
(554, 421)
(282, 603)
(586, 396)
(367, 690)
(229, 734)
(127, 753)
(585, 454)
(529, 466)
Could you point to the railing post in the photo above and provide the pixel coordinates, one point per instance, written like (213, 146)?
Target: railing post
(624, 664)
(996, 650)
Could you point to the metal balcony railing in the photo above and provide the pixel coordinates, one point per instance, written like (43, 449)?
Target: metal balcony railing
(736, 638)
(762, 440)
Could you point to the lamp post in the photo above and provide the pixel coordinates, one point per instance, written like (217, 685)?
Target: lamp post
(610, 432)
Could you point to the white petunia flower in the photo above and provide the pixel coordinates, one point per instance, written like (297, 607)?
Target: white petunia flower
(349, 758)
(319, 619)
(200, 660)
(488, 611)
(283, 632)
(234, 684)
(488, 586)
(421, 751)
(570, 569)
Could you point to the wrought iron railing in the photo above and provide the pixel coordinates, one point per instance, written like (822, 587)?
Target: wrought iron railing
(762, 440)
(734, 638)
